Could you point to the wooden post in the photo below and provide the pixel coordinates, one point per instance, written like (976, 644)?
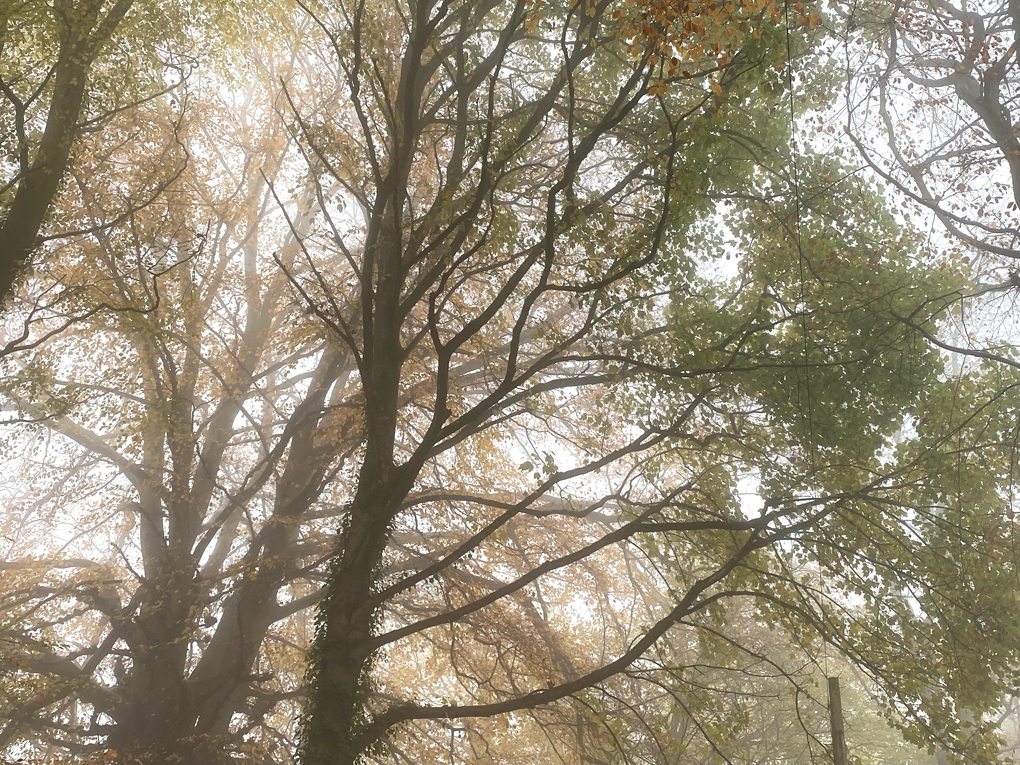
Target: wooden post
(839, 756)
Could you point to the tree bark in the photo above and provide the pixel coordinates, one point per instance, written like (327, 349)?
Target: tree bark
(341, 659)
(35, 194)
(341, 655)
(82, 34)
(153, 711)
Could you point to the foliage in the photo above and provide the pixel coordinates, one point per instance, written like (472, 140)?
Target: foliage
(597, 414)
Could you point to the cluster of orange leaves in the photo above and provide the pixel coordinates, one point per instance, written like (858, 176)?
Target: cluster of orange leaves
(690, 38)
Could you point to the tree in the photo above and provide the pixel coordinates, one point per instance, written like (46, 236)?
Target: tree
(425, 272)
(476, 329)
(141, 601)
(934, 116)
(81, 31)
(79, 82)
(950, 68)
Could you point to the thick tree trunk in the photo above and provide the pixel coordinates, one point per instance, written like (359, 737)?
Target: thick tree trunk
(339, 660)
(82, 35)
(153, 715)
(334, 714)
(36, 191)
(172, 712)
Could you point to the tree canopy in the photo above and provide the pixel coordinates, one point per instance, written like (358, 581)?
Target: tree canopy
(503, 382)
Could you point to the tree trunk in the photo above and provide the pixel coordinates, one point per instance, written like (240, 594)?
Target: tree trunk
(32, 201)
(82, 35)
(153, 716)
(339, 683)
